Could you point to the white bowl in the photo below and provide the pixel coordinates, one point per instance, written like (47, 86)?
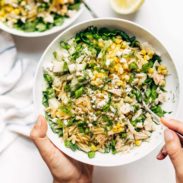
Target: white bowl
(172, 87)
(53, 30)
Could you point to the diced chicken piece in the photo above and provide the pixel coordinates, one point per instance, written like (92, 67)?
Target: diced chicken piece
(80, 67)
(123, 60)
(139, 125)
(130, 135)
(119, 145)
(126, 51)
(162, 97)
(141, 78)
(72, 68)
(117, 92)
(141, 136)
(119, 53)
(149, 124)
(101, 104)
(53, 103)
(158, 78)
(56, 82)
(48, 18)
(58, 66)
(147, 47)
(126, 108)
(64, 97)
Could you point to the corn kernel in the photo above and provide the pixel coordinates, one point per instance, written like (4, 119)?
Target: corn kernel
(143, 52)
(150, 54)
(8, 9)
(128, 99)
(146, 57)
(119, 83)
(101, 44)
(17, 11)
(124, 45)
(150, 70)
(116, 59)
(2, 3)
(93, 147)
(118, 128)
(164, 72)
(118, 40)
(138, 142)
(125, 66)
(2, 13)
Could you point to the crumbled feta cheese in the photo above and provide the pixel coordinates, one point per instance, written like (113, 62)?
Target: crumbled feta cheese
(72, 68)
(123, 60)
(53, 103)
(119, 53)
(108, 62)
(126, 108)
(117, 92)
(49, 18)
(126, 51)
(57, 66)
(139, 125)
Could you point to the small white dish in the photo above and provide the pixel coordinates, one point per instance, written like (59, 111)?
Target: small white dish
(67, 22)
(172, 87)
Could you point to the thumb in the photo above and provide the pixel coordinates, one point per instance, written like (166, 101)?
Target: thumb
(44, 145)
(173, 148)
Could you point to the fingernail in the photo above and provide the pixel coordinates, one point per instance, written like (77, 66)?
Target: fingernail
(164, 151)
(167, 119)
(169, 135)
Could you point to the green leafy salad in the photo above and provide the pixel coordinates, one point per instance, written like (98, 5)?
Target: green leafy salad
(95, 85)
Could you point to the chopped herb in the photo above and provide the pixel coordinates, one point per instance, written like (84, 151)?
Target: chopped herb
(133, 66)
(70, 145)
(79, 92)
(91, 154)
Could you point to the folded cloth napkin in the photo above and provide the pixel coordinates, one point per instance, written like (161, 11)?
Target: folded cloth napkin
(16, 82)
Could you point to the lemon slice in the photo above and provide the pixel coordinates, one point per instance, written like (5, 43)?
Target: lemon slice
(126, 6)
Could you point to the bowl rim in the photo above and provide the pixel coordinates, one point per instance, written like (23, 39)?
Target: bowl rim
(122, 21)
(55, 29)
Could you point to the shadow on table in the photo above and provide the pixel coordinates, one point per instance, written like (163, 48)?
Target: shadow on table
(146, 170)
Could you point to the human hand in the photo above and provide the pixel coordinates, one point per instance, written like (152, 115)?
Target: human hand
(173, 146)
(63, 168)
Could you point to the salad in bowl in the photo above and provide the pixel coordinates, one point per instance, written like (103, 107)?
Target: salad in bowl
(96, 84)
(91, 84)
(37, 16)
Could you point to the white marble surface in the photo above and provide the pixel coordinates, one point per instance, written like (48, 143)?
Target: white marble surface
(21, 163)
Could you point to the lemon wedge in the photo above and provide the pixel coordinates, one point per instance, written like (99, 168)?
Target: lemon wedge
(126, 6)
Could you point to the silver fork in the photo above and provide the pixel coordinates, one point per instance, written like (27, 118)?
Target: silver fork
(93, 14)
(157, 118)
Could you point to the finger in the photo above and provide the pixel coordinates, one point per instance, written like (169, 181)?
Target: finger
(44, 145)
(162, 154)
(173, 148)
(173, 124)
(53, 157)
(38, 135)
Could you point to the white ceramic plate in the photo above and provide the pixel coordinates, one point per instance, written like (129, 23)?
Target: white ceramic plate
(172, 87)
(53, 30)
